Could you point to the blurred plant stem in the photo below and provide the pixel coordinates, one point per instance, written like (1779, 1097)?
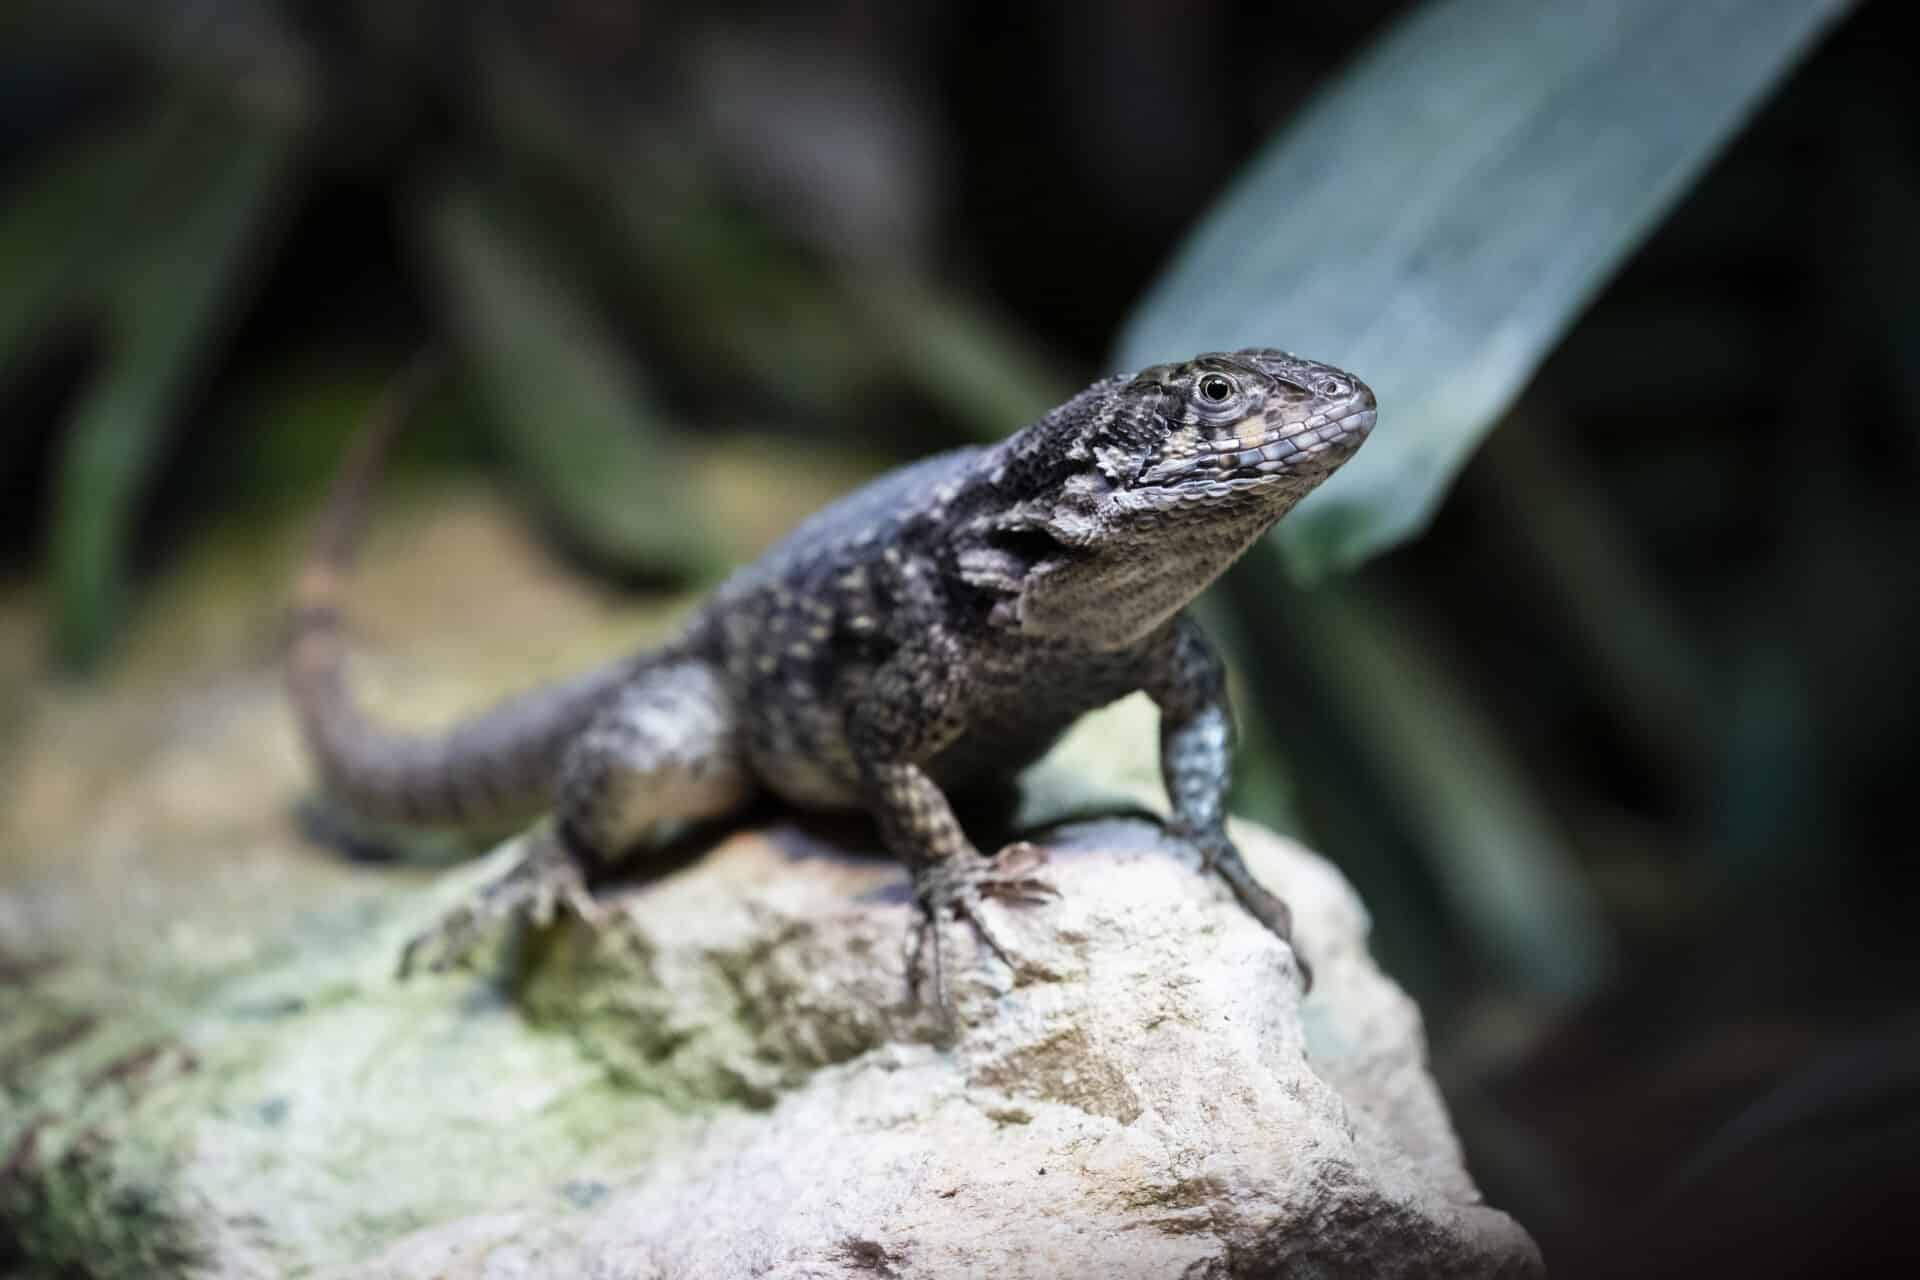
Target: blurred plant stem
(1498, 861)
(185, 219)
(52, 232)
(562, 401)
(1647, 673)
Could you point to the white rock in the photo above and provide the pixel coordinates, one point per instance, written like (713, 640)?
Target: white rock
(1150, 1098)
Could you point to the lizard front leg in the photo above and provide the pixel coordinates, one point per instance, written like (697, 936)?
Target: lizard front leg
(665, 750)
(1189, 683)
(910, 710)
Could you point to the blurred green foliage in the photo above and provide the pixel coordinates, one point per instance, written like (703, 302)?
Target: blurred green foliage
(1435, 217)
(201, 186)
(1643, 689)
(572, 421)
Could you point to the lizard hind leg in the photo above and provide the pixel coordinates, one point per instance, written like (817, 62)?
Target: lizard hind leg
(665, 751)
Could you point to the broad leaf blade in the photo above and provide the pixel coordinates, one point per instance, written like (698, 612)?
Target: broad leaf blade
(54, 227)
(1438, 218)
(181, 246)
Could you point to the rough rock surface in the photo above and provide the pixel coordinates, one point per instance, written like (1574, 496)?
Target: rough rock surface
(207, 1068)
(1149, 1098)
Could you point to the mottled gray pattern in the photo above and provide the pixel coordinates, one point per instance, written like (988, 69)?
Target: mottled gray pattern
(941, 626)
(665, 749)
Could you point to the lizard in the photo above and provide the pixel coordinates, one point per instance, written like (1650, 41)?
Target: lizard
(939, 627)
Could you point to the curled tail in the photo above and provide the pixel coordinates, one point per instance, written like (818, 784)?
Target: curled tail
(494, 769)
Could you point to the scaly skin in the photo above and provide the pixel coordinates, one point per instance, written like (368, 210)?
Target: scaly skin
(940, 627)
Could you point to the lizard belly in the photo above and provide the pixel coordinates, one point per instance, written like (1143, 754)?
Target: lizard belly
(796, 671)
(1022, 700)
(800, 752)
(826, 778)
(798, 747)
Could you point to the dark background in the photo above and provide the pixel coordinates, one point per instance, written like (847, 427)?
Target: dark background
(1678, 583)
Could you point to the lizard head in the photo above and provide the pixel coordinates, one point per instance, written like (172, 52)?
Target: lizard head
(1259, 427)
(1119, 506)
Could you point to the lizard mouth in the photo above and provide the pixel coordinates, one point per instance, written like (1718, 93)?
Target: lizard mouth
(1256, 450)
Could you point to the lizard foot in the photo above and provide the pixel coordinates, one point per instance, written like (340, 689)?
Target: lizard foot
(1218, 855)
(535, 890)
(959, 886)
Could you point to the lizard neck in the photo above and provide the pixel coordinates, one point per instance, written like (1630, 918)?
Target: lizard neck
(1121, 588)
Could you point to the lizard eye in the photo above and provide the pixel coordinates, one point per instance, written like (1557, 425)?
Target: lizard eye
(1216, 388)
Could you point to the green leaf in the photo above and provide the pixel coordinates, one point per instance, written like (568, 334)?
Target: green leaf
(1439, 216)
(51, 229)
(175, 246)
(563, 401)
(62, 229)
(1576, 566)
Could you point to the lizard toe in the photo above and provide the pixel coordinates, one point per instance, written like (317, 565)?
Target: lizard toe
(959, 888)
(535, 891)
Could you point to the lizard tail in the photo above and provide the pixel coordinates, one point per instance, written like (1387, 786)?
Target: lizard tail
(494, 769)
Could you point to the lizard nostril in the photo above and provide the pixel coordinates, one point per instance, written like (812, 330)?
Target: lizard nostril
(1331, 388)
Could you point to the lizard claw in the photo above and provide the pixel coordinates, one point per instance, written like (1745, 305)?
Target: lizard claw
(1219, 857)
(536, 890)
(959, 886)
